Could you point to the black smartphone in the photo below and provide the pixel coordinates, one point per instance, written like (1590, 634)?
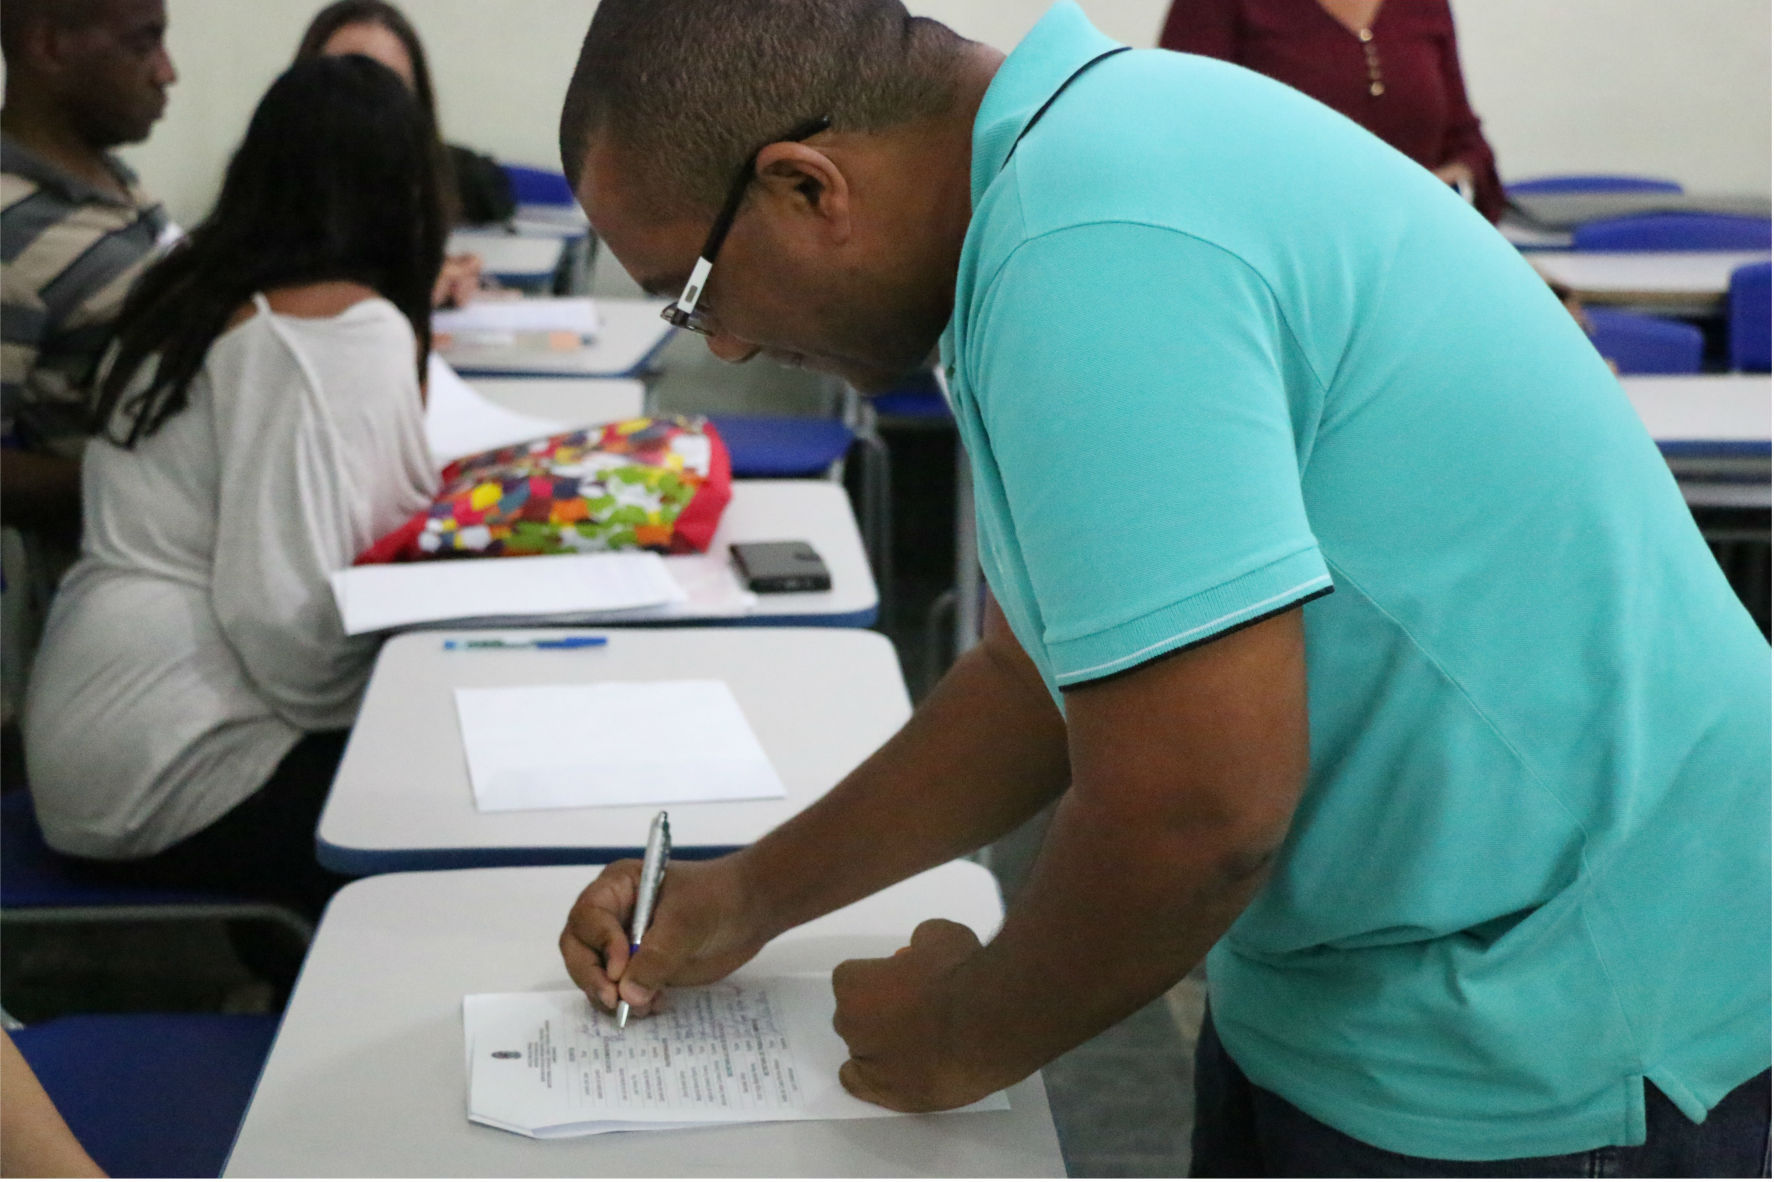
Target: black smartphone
(780, 566)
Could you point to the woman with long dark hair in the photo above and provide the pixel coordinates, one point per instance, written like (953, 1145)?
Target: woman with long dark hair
(378, 30)
(259, 423)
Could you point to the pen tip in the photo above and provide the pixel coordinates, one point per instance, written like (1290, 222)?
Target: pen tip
(622, 1016)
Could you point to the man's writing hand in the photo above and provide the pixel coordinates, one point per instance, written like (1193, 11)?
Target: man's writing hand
(700, 932)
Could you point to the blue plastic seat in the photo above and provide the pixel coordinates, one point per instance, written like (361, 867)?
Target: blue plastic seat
(1645, 344)
(772, 445)
(1594, 182)
(151, 1095)
(538, 186)
(1674, 231)
(1748, 316)
(39, 885)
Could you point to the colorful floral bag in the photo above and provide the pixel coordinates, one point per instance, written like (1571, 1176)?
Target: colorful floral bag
(644, 484)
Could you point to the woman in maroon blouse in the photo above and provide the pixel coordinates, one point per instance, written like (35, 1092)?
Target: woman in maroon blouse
(1391, 67)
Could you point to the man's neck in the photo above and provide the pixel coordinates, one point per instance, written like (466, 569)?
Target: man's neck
(952, 192)
(46, 131)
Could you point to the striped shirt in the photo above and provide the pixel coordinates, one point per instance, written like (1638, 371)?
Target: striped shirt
(68, 255)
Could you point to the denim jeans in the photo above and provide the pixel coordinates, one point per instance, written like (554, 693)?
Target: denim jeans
(1243, 1131)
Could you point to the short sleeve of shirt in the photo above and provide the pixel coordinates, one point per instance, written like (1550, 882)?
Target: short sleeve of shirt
(1135, 389)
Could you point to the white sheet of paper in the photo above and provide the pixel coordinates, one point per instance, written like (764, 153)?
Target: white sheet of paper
(534, 314)
(749, 1049)
(711, 589)
(553, 586)
(460, 422)
(610, 743)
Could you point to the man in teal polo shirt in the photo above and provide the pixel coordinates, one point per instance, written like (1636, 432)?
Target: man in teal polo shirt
(1267, 426)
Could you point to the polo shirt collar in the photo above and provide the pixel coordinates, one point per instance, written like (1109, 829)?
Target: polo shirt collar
(1060, 42)
(21, 161)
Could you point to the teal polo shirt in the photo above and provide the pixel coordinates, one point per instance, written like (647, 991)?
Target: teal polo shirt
(1215, 352)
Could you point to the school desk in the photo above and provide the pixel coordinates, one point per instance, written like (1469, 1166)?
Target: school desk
(367, 1076)
(820, 701)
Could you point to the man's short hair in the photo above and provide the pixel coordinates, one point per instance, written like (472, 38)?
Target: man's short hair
(686, 88)
(17, 16)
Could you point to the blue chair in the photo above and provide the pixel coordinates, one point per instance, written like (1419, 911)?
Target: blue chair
(151, 1095)
(1747, 318)
(1591, 183)
(538, 186)
(1674, 231)
(1645, 344)
(37, 885)
(764, 446)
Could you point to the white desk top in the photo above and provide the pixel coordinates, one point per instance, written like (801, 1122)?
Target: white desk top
(1651, 277)
(522, 258)
(820, 700)
(366, 1078)
(570, 402)
(813, 511)
(630, 334)
(1719, 411)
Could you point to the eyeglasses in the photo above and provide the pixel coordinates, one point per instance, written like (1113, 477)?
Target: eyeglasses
(683, 312)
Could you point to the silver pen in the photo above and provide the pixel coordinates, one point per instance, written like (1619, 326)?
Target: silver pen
(652, 877)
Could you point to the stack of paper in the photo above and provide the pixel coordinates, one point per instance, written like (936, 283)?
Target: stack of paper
(555, 588)
(746, 1050)
(460, 422)
(610, 743)
(499, 322)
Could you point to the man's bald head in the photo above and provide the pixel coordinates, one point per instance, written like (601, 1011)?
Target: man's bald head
(98, 67)
(685, 89)
(18, 16)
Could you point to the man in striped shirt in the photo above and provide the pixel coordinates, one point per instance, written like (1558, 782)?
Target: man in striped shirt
(82, 76)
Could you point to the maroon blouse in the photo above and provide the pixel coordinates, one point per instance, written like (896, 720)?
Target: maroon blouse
(1403, 84)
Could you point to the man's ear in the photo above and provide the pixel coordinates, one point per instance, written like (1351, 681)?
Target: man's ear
(808, 183)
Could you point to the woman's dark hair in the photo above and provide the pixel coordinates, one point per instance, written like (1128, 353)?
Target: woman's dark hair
(334, 181)
(341, 13)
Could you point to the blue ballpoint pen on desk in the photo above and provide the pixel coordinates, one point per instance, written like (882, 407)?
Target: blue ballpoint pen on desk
(543, 642)
(652, 878)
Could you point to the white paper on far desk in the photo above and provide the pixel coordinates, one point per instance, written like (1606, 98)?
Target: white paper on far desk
(551, 586)
(459, 421)
(747, 1050)
(610, 743)
(497, 318)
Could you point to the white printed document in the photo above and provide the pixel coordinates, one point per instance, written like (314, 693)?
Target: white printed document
(550, 588)
(748, 1049)
(610, 743)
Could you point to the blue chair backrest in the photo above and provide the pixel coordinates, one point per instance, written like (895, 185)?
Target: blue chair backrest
(1674, 231)
(1593, 183)
(1645, 344)
(1750, 311)
(151, 1095)
(37, 882)
(775, 445)
(538, 186)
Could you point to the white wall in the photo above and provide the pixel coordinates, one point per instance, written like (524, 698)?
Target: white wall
(1563, 85)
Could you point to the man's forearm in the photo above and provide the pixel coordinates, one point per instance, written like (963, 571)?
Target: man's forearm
(1117, 908)
(1186, 773)
(986, 751)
